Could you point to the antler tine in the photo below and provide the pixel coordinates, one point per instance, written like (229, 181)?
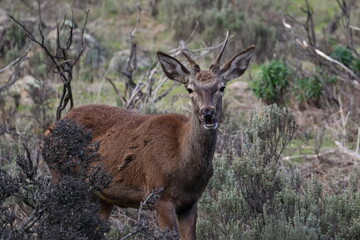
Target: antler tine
(217, 60)
(194, 65)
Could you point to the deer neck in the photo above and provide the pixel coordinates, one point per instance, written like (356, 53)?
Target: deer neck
(199, 145)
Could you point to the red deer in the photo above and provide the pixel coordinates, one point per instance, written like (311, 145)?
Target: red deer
(168, 151)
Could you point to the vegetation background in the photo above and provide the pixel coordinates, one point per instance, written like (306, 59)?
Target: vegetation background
(287, 159)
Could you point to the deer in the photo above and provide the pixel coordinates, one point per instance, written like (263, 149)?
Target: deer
(171, 152)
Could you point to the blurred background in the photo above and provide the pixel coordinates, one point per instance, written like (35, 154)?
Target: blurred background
(307, 59)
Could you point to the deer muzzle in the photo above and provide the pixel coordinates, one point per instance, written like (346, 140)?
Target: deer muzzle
(208, 116)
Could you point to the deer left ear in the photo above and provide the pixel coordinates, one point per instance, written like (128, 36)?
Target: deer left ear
(173, 69)
(237, 65)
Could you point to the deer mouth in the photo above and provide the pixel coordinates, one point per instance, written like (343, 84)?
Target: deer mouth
(210, 122)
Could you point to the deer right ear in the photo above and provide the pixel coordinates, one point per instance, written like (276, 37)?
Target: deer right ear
(237, 65)
(172, 68)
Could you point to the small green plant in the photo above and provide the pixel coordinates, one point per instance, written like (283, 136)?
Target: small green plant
(344, 55)
(356, 66)
(307, 89)
(273, 81)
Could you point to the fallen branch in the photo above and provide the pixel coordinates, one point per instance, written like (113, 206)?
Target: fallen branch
(355, 28)
(19, 59)
(16, 73)
(340, 149)
(346, 151)
(310, 156)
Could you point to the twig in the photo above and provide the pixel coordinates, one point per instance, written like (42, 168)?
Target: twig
(192, 33)
(19, 59)
(176, 51)
(116, 90)
(309, 24)
(175, 85)
(358, 142)
(344, 119)
(148, 202)
(15, 75)
(131, 63)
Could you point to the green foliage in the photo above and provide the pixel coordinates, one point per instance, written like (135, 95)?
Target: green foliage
(356, 66)
(273, 81)
(307, 89)
(344, 55)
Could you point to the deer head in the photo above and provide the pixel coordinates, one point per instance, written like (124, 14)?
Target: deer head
(206, 87)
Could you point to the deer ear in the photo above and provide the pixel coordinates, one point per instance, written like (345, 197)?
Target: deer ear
(237, 65)
(172, 68)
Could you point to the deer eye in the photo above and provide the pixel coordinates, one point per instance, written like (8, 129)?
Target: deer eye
(189, 90)
(222, 89)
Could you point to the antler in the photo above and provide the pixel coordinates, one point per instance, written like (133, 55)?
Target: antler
(217, 60)
(194, 66)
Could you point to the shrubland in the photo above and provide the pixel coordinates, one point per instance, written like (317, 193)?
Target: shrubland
(282, 171)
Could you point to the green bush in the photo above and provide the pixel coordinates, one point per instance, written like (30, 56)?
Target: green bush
(274, 79)
(307, 89)
(344, 55)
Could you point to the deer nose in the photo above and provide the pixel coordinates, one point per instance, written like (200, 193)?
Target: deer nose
(208, 112)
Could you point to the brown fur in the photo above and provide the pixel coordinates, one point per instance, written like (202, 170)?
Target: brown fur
(205, 76)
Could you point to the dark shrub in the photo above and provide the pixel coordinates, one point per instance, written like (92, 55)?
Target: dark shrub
(61, 210)
(344, 55)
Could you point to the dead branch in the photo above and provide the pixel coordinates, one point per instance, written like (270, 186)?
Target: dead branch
(116, 90)
(142, 226)
(19, 59)
(131, 63)
(355, 28)
(18, 63)
(310, 156)
(61, 61)
(309, 24)
(346, 151)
